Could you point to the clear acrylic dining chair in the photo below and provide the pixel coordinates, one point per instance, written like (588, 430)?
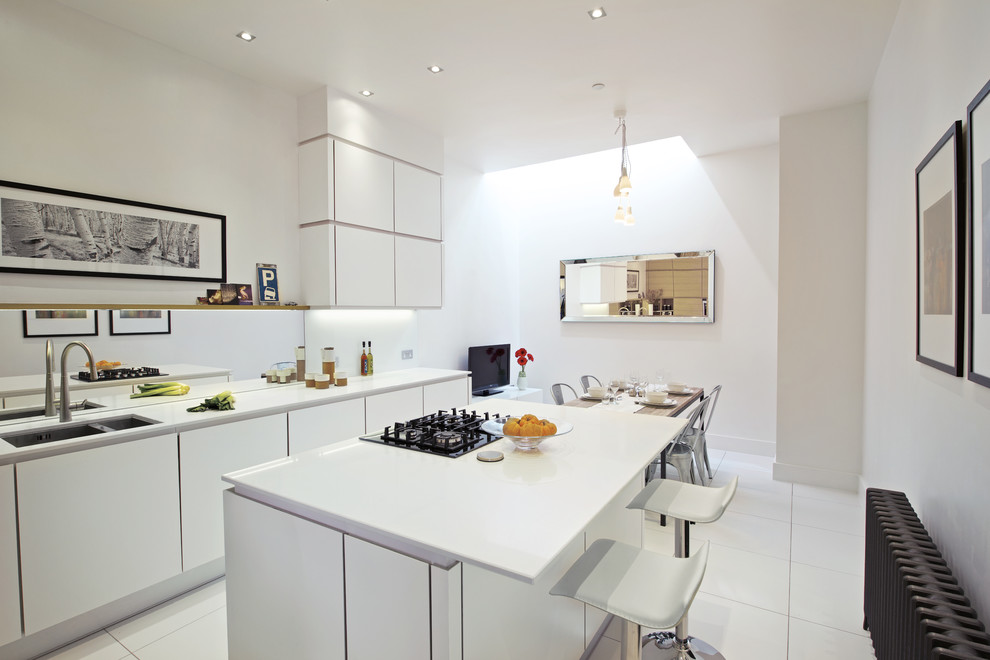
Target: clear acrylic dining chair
(586, 382)
(706, 422)
(557, 392)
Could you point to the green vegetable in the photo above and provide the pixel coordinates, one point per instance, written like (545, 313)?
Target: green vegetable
(222, 401)
(161, 389)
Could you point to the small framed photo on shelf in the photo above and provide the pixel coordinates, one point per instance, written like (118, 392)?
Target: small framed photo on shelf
(60, 323)
(267, 284)
(140, 322)
(940, 202)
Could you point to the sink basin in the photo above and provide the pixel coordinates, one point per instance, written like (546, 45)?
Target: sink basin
(76, 430)
(27, 413)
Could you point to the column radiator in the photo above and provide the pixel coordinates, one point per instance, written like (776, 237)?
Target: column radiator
(913, 606)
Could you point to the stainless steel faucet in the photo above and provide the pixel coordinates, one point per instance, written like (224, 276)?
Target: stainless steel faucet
(49, 379)
(64, 413)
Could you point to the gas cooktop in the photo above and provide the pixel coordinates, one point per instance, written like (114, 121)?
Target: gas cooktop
(120, 374)
(451, 434)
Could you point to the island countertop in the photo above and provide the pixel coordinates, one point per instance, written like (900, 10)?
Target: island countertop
(512, 517)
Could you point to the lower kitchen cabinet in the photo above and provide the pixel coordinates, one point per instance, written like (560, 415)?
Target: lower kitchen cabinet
(324, 425)
(96, 525)
(385, 409)
(204, 456)
(10, 605)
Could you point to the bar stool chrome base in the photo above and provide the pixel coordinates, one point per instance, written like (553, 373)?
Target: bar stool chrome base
(666, 646)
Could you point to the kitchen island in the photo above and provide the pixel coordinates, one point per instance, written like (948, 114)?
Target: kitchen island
(362, 550)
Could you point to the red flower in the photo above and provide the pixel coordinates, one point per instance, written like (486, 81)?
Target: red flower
(522, 357)
(521, 352)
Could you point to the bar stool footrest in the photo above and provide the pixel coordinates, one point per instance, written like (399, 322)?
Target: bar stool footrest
(664, 645)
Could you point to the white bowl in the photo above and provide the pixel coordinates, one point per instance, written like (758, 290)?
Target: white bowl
(656, 397)
(676, 387)
(596, 392)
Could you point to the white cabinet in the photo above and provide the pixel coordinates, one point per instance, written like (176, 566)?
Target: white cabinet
(445, 395)
(603, 283)
(362, 185)
(206, 454)
(385, 409)
(316, 180)
(10, 604)
(417, 202)
(418, 272)
(323, 425)
(365, 268)
(95, 526)
(383, 587)
(285, 586)
(316, 252)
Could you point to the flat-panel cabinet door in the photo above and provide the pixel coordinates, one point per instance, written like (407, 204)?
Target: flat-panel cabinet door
(417, 202)
(449, 394)
(10, 605)
(204, 456)
(418, 272)
(385, 409)
(365, 268)
(96, 525)
(324, 425)
(316, 255)
(362, 187)
(316, 180)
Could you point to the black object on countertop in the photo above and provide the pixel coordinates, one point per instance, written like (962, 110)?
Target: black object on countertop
(445, 433)
(119, 374)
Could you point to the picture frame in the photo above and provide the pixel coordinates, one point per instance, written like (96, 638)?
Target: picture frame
(978, 178)
(632, 280)
(140, 322)
(940, 239)
(60, 323)
(59, 232)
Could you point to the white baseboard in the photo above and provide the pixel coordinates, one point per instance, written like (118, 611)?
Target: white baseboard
(802, 474)
(742, 445)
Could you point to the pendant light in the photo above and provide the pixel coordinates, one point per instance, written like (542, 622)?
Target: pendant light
(623, 212)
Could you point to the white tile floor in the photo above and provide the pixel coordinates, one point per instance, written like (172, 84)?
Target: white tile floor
(784, 581)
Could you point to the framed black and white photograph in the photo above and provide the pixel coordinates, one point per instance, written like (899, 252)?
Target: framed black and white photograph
(58, 232)
(940, 200)
(632, 280)
(140, 322)
(978, 126)
(60, 323)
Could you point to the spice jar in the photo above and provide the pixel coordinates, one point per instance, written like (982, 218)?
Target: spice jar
(329, 361)
(300, 359)
(283, 376)
(310, 380)
(322, 381)
(271, 376)
(341, 378)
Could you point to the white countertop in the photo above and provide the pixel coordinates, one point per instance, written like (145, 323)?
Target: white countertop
(513, 517)
(255, 398)
(35, 383)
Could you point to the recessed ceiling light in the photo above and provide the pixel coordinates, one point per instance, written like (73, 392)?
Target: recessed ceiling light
(246, 36)
(596, 13)
(434, 69)
(367, 92)
(598, 87)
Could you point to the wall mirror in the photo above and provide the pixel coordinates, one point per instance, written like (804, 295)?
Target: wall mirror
(676, 287)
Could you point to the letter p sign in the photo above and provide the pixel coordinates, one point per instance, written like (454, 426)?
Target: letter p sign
(267, 285)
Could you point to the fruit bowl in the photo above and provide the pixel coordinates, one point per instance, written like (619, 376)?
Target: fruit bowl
(496, 427)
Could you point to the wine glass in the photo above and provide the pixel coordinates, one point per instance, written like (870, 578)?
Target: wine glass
(613, 386)
(633, 384)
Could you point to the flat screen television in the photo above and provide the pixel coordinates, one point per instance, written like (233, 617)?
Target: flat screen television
(489, 367)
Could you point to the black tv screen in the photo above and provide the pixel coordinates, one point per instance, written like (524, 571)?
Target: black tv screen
(489, 367)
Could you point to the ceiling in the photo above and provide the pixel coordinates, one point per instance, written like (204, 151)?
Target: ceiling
(517, 82)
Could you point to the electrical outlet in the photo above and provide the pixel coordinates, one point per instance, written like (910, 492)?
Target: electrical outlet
(407, 355)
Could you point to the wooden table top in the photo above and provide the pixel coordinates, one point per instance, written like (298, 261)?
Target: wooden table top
(683, 401)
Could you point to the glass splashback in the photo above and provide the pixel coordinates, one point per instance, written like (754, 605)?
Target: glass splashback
(675, 287)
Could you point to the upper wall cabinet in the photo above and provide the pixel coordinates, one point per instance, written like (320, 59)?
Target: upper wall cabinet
(417, 202)
(362, 184)
(316, 181)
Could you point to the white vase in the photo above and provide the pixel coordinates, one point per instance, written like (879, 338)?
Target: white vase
(521, 382)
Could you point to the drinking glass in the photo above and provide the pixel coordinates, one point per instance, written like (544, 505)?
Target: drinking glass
(633, 384)
(613, 386)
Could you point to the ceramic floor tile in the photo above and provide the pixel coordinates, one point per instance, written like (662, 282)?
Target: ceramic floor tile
(751, 461)
(151, 625)
(100, 646)
(203, 639)
(746, 532)
(607, 649)
(750, 478)
(763, 503)
(828, 598)
(829, 494)
(827, 514)
(747, 577)
(827, 549)
(810, 641)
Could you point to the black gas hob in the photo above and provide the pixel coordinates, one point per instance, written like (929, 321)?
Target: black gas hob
(120, 374)
(447, 433)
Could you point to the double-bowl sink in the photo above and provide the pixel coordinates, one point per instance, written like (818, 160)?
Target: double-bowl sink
(72, 431)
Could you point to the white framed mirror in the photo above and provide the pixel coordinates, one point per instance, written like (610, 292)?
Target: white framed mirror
(673, 287)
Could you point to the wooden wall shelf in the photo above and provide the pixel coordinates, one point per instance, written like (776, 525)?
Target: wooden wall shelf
(79, 305)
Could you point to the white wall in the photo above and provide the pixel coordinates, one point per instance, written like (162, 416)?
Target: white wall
(726, 202)
(821, 297)
(91, 108)
(925, 432)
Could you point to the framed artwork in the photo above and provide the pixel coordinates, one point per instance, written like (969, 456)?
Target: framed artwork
(632, 280)
(140, 322)
(60, 323)
(58, 232)
(978, 126)
(940, 233)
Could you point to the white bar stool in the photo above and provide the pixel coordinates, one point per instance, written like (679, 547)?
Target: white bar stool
(642, 587)
(684, 503)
